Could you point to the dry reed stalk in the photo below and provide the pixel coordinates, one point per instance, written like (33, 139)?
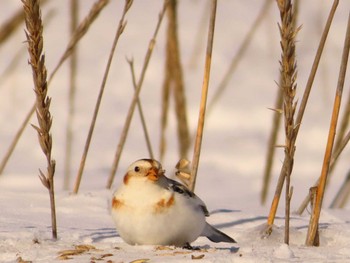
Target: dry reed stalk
(272, 145)
(203, 102)
(239, 54)
(79, 33)
(139, 106)
(120, 29)
(335, 155)
(74, 9)
(300, 115)
(174, 81)
(315, 65)
(166, 89)
(274, 131)
(37, 61)
(288, 72)
(313, 226)
(177, 77)
(164, 116)
(312, 195)
(199, 37)
(135, 98)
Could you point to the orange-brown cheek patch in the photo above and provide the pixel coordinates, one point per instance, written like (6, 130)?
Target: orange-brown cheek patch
(116, 203)
(126, 179)
(163, 205)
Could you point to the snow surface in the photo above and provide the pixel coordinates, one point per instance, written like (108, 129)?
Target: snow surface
(234, 146)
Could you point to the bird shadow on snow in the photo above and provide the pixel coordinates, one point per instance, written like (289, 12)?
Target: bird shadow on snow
(101, 234)
(235, 222)
(242, 221)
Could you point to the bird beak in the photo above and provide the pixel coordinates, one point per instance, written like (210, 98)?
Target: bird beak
(153, 174)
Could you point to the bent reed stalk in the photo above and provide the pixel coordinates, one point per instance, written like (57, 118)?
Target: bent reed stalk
(120, 30)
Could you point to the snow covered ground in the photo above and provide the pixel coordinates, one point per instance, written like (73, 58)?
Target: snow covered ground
(234, 146)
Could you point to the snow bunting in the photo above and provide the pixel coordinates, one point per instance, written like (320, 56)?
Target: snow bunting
(151, 209)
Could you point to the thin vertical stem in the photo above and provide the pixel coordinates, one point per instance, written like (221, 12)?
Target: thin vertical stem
(174, 80)
(135, 99)
(288, 73)
(298, 121)
(275, 128)
(313, 226)
(205, 86)
(34, 30)
(120, 29)
(78, 34)
(139, 106)
(242, 49)
(74, 7)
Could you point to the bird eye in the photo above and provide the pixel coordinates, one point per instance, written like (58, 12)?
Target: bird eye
(137, 169)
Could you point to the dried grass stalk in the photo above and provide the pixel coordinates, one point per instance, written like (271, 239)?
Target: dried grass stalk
(274, 130)
(288, 84)
(79, 33)
(300, 114)
(272, 145)
(174, 64)
(239, 55)
(120, 30)
(203, 102)
(164, 115)
(174, 80)
(313, 226)
(288, 77)
(74, 9)
(142, 116)
(135, 98)
(37, 61)
(199, 38)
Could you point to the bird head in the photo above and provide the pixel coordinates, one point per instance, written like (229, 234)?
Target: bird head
(148, 169)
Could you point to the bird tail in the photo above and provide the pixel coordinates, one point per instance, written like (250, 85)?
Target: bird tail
(216, 235)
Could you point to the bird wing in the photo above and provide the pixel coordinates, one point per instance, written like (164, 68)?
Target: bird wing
(183, 190)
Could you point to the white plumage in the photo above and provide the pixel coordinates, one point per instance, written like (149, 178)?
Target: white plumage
(151, 209)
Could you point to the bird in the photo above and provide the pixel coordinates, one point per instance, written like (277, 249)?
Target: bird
(149, 208)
